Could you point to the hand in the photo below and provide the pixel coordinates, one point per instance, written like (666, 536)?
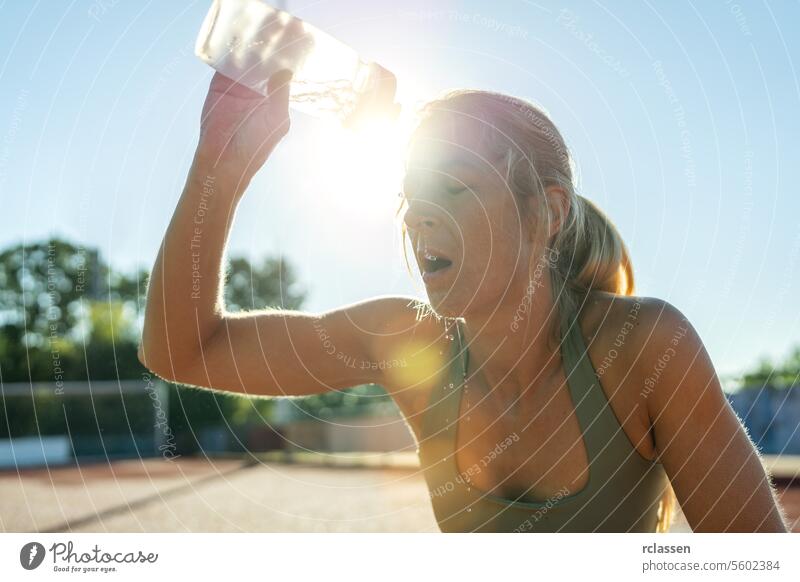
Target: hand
(239, 127)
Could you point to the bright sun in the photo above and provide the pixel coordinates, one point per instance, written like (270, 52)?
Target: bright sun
(365, 166)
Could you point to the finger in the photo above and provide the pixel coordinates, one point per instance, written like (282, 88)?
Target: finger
(278, 87)
(226, 86)
(277, 109)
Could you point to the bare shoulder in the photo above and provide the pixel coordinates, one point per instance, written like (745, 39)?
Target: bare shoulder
(654, 329)
(630, 340)
(411, 353)
(640, 323)
(666, 376)
(406, 341)
(651, 340)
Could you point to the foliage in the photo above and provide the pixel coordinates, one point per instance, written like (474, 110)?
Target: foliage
(270, 284)
(779, 375)
(47, 289)
(355, 401)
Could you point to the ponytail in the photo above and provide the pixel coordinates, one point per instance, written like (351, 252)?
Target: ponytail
(591, 255)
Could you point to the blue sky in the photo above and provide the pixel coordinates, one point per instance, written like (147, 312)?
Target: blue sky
(683, 119)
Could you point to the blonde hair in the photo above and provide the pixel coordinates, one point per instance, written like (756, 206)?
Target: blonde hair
(590, 253)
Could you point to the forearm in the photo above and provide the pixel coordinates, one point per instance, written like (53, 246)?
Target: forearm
(185, 300)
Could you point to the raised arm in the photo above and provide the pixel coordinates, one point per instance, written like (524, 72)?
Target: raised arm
(239, 129)
(189, 337)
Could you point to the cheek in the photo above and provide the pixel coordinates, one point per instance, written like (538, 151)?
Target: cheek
(512, 220)
(494, 250)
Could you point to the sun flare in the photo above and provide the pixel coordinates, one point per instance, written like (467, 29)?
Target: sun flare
(364, 167)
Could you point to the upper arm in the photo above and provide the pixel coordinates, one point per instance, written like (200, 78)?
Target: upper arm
(715, 470)
(293, 353)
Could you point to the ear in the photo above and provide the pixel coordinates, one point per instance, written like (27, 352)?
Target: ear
(558, 208)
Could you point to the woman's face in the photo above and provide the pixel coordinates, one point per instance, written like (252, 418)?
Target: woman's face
(470, 236)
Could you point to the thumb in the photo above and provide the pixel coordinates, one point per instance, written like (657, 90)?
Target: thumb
(278, 87)
(277, 102)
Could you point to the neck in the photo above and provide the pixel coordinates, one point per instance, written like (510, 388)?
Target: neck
(510, 345)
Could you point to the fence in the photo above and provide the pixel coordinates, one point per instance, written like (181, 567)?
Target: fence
(772, 416)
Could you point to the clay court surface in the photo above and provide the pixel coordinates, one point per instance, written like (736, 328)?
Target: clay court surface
(229, 495)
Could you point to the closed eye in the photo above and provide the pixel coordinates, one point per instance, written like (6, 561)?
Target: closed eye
(454, 184)
(456, 189)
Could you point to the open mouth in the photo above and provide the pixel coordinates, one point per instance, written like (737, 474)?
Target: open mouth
(433, 264)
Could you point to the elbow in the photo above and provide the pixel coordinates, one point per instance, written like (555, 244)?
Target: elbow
(148, 357)
(174, 361)
(145, 355)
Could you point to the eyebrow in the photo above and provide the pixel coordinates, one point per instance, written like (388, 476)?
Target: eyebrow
(448, 164)
(457, 161)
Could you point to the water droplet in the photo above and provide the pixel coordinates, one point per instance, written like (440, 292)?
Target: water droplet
(469, 509)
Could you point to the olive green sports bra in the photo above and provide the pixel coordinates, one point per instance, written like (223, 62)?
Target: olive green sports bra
(624, 488)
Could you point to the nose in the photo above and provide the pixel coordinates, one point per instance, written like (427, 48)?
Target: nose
(421, 215)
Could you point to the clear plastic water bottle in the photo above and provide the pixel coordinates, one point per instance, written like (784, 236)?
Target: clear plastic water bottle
(249, 40)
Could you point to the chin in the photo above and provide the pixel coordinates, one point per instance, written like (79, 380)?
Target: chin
(454, 305)
(443, 305)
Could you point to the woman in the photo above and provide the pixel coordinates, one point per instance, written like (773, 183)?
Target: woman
(542, 394)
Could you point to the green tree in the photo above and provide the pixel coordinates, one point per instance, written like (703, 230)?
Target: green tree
(65, 314)
(782, 374)
(271, 283)
(47, 288)
(350, 402)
